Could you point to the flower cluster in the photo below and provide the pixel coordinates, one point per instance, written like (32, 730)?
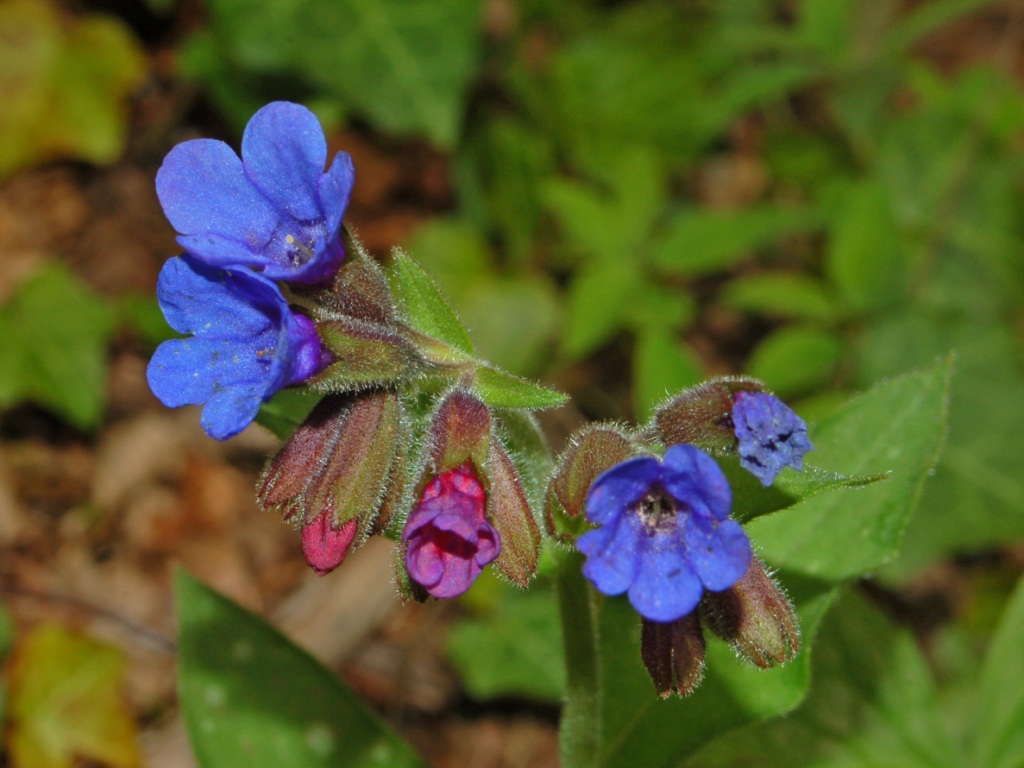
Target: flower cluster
(273, 214)
(662, 530)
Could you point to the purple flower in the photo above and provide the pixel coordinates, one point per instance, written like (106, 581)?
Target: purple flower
(665, 535)
(275, 210)
(771, 436)
(449, 539)
(246, 344)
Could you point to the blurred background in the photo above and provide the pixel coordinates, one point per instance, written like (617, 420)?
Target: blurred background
(621, 198)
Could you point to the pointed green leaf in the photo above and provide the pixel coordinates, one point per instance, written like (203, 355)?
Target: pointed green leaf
(427, 310)
(897, 427)
(1000, 712)
(503, 390)
(252, 698)
(873, 703)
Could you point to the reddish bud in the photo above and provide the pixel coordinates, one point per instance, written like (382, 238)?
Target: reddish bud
(460, 431)
(700, 415)
(509, 510)
(673, 654)
(448, 538)
(755, 617)
(339, 459)
(325, 546)
(591, 451)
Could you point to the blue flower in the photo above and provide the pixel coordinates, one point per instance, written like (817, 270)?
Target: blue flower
(246, 344)
(665, 535)
(771, 436)
(275, 210)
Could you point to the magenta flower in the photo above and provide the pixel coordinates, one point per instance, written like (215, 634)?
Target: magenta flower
(449, 539)
(274, 210)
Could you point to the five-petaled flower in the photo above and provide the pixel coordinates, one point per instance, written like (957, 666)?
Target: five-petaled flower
(448, 537)
(770, 435)
(274, 210)
(664, 533)
(245, 344)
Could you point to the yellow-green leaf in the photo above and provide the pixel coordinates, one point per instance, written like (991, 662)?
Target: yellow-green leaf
(64, 85)
(66, 703)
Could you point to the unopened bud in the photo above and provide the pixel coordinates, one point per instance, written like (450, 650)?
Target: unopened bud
(700, 415)
(755, 617)
(459, 431)
(364, 354)
(509, 511)
(325, 546)
(359, 289)
(338, 460)
(591, 451)
(673, 654)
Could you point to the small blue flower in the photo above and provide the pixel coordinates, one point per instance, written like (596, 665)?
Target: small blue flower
(770, 434)
(665, 535)
(275, 210)
(246, 344)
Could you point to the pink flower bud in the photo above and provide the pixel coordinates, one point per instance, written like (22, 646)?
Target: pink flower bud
(325, 546)
(448, 538)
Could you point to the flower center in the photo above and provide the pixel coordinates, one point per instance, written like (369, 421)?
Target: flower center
(300, 253)
(657, 512)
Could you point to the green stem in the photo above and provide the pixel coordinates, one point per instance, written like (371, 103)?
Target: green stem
(581, 717)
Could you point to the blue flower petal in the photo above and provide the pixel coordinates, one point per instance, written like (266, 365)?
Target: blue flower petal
(196, 298)
(231, 410)
(335, 189)
(769, 435)
(613, 555)
(246, 344)
(283, 153)
(718, 551)
(665, 588)
(689, 472)
(621, 487)
(204, 189)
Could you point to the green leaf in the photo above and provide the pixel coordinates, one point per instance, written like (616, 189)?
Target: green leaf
(53, 341)
(865, 259)
(1000, 712)
(662, 366)
(702, 241)
(427, 310)
(402, 64)
(65, 85)
(873, 703)
(795, 359)
(514, 648)
(897, 427)
(750, 499)
(600, 298)
(252, 698)
(976, 499)
(67, 703)
(614, 717)
(287, 410)
(503, 390)
(782, 294)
